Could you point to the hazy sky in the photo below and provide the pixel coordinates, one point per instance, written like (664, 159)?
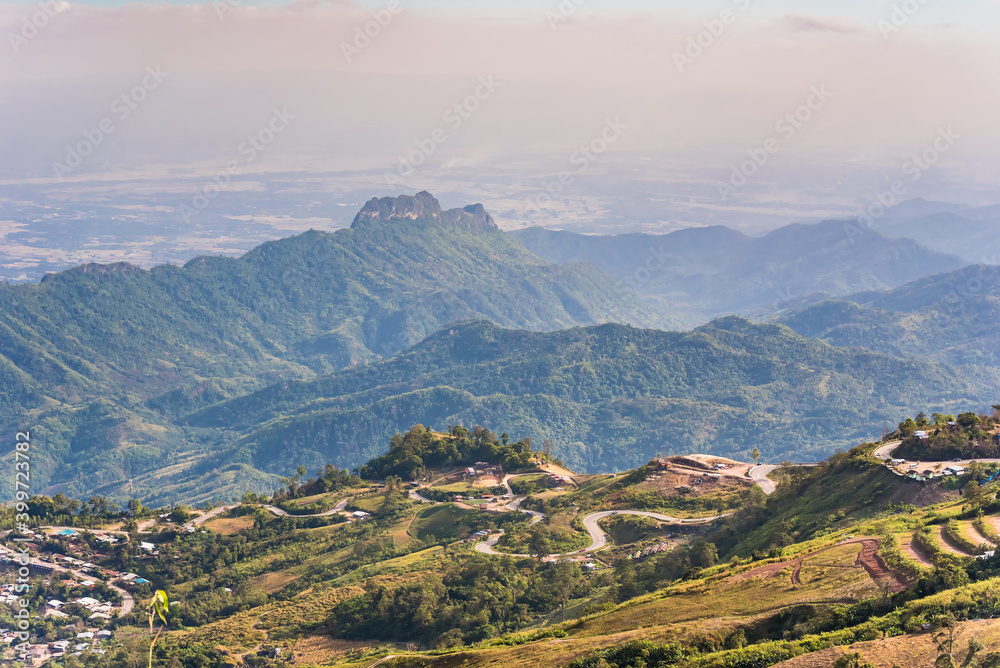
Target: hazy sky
(557, 84)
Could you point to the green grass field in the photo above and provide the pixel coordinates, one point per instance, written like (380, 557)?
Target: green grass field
(437, 522)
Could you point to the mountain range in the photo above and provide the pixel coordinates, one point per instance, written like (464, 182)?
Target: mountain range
(951, 318)
(704, 273)
(609, 396)
(312, 303)
(93, 355)
(203, 381)
(969, 232)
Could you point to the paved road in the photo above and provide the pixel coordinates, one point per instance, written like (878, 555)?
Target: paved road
(884, 453)
(506, 483)
(415, 496)
(515, 505)
(759, 475)
(760, 472)
(201, 519)
(274, 510)
(598, 539)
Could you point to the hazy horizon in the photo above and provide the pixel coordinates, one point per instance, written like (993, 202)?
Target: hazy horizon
(494, 103)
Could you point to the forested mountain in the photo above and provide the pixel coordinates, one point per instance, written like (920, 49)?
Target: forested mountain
(703, 273)
(952, 318)
(966, 231)
(312, 302)
(95, 354)
(202, 381)
(607, 396)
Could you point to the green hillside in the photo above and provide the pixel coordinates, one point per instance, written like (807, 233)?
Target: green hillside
(844, 565)
(315, 302)
(99, 358)
(952, 318)
(609, 397)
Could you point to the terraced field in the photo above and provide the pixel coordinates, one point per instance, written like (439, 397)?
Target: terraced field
(832, 575)
(947, 544)
(973, 534)
(913, 551)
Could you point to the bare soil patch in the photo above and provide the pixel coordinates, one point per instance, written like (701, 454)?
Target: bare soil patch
(912, 550)
(947, 546)
(923, 495)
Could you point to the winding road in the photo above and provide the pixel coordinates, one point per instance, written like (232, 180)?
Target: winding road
(274, 510)
(760, 472)
(598, 539)
(759, 475)
(884, 453)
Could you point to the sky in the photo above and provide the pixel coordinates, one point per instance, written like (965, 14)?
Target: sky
(846, 93)
(971, 13)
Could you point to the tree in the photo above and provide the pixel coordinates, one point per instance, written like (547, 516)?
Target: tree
(131, 527)
(971, 657)
(260, 518)
(625, 584)
(393, 483)
(539, 545)
(547, 448)
(755, 453)
(738, 640)
(945, 639)
(974, 495)
(565, 579)
(968, 420)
